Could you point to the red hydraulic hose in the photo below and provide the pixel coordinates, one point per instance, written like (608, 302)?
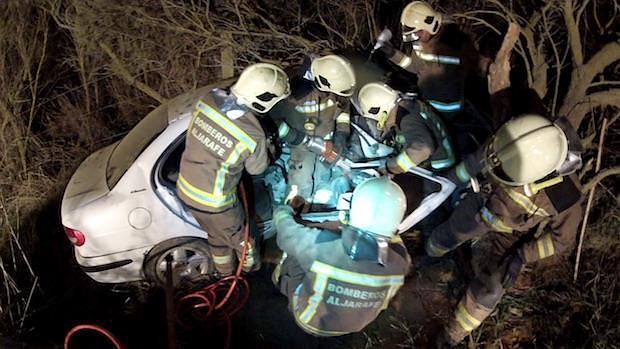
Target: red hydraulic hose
(206, 300)
(117, 344)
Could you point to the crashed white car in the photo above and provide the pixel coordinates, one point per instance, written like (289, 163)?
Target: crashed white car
(121, 212)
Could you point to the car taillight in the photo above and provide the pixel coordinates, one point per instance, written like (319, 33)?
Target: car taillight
(75, 236)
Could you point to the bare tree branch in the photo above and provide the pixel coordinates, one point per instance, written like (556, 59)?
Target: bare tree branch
(614, 171)
(124, 73)
(582, 77)
(591, 101)
(574, 37)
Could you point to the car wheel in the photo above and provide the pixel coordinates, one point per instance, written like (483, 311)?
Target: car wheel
(190, 261)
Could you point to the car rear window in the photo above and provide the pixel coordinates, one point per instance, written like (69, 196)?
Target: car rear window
(132, 145)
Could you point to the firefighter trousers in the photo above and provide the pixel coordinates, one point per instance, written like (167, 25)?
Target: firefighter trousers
(225, 231)
(485, 290)
(490, 251)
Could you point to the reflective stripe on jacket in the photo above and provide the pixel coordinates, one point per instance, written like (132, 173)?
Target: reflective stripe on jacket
(217, 150)
(442, 65)
(328, 111)
(338, 295)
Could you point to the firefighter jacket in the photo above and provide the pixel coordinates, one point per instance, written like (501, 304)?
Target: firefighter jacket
(338, 295)
(418, 134)
(218, 147)
(313, 111)
(516, 210)
(442, 65)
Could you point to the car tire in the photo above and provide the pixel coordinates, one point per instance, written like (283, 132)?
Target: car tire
(191, 261)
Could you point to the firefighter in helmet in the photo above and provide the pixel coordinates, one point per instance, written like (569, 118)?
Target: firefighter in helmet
(410, 126)
(318, 107)
(223, 139)
(441, 56)
(525, 177)
(337, 283)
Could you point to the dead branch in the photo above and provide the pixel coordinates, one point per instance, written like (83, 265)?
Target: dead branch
(25, 313)
(228, 60)
(124, 73)
(581, 79)
(589, 102)
(558, 66)
(572, 27)
(499, 70)
(613, 171)
(584, 224)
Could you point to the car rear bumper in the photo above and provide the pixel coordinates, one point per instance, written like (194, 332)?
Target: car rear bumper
(125, 266)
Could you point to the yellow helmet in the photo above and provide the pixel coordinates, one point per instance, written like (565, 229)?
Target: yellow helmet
(334, 74)
(376, 99)
(416, 16)
(378, 206)
(525, 150)
(261, 86)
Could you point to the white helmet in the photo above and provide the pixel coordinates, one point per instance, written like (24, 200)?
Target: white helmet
(376, 99)
(378, 206)
(526, 149)
(261, 86)
(417, 16)
(334, 74)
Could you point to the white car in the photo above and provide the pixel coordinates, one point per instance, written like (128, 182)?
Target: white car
(121, 212)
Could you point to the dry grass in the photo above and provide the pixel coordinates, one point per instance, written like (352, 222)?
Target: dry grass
(62, 96)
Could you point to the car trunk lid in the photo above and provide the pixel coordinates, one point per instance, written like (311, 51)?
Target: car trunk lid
(88, 183)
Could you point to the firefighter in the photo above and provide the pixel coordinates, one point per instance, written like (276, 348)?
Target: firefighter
(318, 107)
(412, 127)
(337, 283)
(224, 138)
(527, 167)
(441, 56)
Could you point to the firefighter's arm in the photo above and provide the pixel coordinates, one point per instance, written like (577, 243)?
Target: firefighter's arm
(293, 238)
(560, 236)
(410, 63)
(409, 158)
(467, 169)
(479, 63)
(419, 142)
(342, 129)
(258, 161)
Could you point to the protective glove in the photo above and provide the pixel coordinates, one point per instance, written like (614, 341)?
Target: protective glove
(513, 264)
(295, 201)
(330, 155)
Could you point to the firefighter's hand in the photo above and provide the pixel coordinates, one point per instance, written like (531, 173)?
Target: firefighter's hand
(330, 154)
(388, 49)
(513, 264)
(296, 202)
